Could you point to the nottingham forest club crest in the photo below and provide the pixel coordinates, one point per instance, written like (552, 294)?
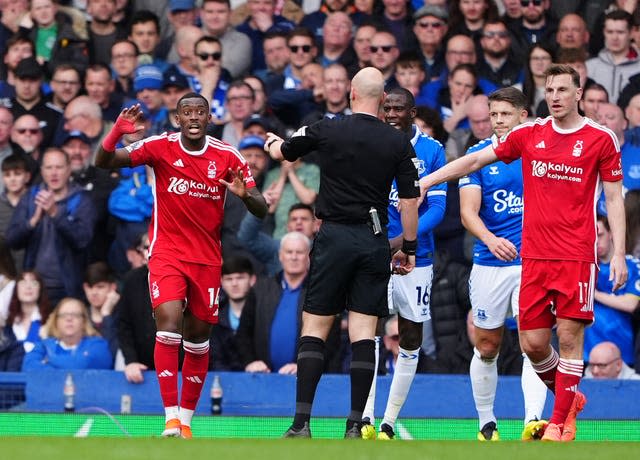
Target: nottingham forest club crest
(211, 170)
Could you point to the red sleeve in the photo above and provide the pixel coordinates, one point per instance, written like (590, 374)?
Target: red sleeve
(142, 152)
(610, 166)
(237, 161)
(509, 147)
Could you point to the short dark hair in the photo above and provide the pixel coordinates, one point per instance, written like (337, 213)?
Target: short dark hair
(242, 84)
(408, 95)
(129, 42)
(19, 38)
(237, 264)
(620, 15)
(409, 59)
(296, 206)
(193, 95)
(99, 67)
(98, 272)
(597, 87)
(569, 55)
(469, 68)
(512, 95)
(206, 39)
(563, 69)
(15, 161)
(142, 16)
(301, 32)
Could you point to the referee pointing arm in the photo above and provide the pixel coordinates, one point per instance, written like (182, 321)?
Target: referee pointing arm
(359, 158)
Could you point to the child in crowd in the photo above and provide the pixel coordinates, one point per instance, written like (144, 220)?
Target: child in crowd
(409, 72)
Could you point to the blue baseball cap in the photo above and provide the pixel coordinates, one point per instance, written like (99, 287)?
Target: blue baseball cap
(147, 77)
(251, 141)
(181, 5)
(75, 135)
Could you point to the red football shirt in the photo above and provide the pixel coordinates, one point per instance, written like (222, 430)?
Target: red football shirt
(561, 171)
(189, 199)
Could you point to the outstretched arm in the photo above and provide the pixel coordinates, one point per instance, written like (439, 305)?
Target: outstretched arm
(458, 168)
(128, 122)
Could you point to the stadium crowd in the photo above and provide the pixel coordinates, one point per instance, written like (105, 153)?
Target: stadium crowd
(71, 230)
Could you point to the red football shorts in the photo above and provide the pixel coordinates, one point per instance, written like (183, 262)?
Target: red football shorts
(553, 289)
(198, 284)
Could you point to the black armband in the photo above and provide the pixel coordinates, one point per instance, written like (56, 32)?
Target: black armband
(409, 247)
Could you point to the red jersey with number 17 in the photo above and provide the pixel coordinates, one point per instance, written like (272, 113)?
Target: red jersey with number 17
(189, 198)
(561, 171)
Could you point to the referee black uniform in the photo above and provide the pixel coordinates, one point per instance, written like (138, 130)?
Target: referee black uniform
(359, 157)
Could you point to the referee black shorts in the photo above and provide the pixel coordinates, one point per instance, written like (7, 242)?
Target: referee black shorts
(350, 268)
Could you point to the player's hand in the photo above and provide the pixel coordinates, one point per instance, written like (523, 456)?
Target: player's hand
(289, 369)
(133, 372)
(237, 185)
(402, 264)
(130, 120)
(257, 366)
(618, 271)
(503, 249)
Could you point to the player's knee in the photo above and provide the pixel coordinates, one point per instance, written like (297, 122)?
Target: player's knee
(488, 348)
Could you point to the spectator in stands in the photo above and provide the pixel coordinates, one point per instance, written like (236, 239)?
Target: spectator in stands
(212, 79)
(15, 180)
(54, 222)
(576, 58)
(429, 122)
(136, 326)
(6, 122)
(182, 14)
(55, 39)
(396, 17)
(28, 100)
(100, 87)
(71, 342)
(605, 362)
(276, 56)
(302, 51)
(632, 111)
(267, 248)
(409, 72)
(26, 139)
(538, 60)
(83, 114)
(124, 59)
(336, 47)
(292, 105)
(28, 310)
(268, 333)
(611, 116)
(315, 20)
(147, 84)
(182, 52)
(362, 46)
(8, 277)
(65, 84)
(391, 342)
(469, 17)
(592, 98)
(239, 102)
(215, 16)
(384, 53)
(497, 64)
(11, 351)
(613, 308)
(101, 292)
(619, 59)
(19, 47)
(430, 28)
(103, 31)
(460, 50)
(572, 32)
(174, 86)
(335, 95)
(477, 109)
(536, 25)
(237, 280)
(144, 31)
(260, 21)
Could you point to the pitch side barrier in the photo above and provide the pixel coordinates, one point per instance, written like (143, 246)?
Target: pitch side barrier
(431, 396)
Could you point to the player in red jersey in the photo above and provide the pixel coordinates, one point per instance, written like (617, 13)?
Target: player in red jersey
(564, 158)
(192, 172)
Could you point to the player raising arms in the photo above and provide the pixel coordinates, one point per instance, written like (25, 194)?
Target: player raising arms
(564, 157)
(193, 172)
(491, 209)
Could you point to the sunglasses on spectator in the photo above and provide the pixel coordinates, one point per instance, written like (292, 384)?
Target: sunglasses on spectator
(215, 56)
(495, 34)
(384, 48)
(525, 3)
(433, 25)
(29, 130)
(303, 48)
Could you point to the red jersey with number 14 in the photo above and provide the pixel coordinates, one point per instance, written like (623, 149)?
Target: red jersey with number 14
(189, 198)
(561, 171)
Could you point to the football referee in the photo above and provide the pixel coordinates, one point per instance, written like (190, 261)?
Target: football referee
(359, 158)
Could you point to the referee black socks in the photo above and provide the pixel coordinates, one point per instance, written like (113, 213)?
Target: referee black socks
(310, 367)
(362, 366)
